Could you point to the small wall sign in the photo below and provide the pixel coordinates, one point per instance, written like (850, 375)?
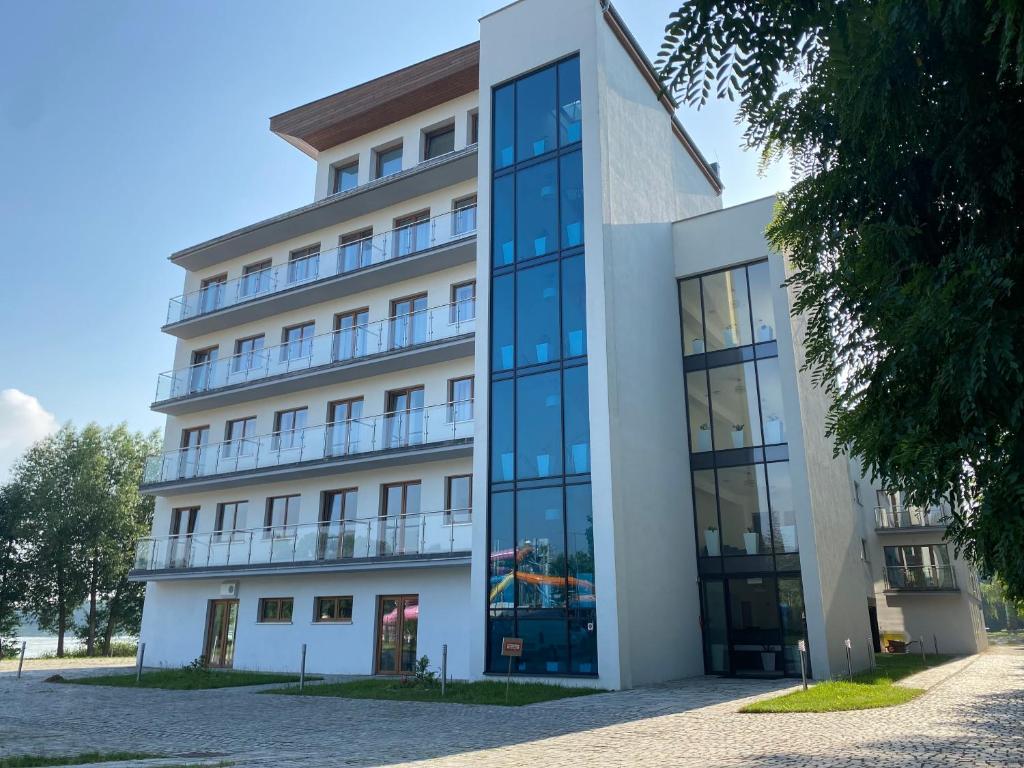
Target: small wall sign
(511, 646)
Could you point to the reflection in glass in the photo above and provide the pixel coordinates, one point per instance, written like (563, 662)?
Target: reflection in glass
(536, 210)
(698, 411)
(715, 630)
(537, 334)
(761, 302)
(794, 628)
(574, 307)
(571, 190)
(570, 111)
(709, 540)
(502, 432)
(780, 492)
(502, 551)
(693, 324)
(503, 221)
(577, 420)
(545, 646)
(754, 618)
(502, 318)
(580, 535)
(504, 126)
(538, 425)
(540, 549)
(726, 309)
(743, 509)
(535, 114)
(769, 384)
(734, 409)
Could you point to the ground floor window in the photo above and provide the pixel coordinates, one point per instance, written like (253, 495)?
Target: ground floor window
(275, 609)
(333, 609)
(398, 619)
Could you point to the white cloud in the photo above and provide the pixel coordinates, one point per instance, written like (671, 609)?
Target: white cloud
(22, 421)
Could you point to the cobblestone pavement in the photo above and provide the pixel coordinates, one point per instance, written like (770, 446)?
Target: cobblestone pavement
(972, 718)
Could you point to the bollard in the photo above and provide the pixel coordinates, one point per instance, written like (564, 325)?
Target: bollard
(444, 667)
(871, 653)
(923, 659)
(935, 640)
(138, 662)
(21, 660)
(849, 660)
(302, 669)
(802, 647)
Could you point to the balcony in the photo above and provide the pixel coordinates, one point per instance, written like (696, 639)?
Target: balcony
(376, 542)
(920, 578)
(398, 254)
(418, 338)
(427, 433)
(908, 518)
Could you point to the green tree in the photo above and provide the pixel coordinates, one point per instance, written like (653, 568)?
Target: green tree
(13, 569)
(903, 228)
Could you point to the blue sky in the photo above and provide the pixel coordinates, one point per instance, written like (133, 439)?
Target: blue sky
(129, 130)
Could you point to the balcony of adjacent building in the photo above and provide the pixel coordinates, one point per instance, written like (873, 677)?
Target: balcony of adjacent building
(355, 349)
(409, 251)
(920, 578)
(413, 435)
(411, 540)
(900, 518)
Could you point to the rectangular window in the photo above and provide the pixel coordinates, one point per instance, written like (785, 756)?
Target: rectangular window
(387, 161)
(192, 458)
(336, 539)
(409, 321)
(249, 354)
(275, 610)
(438, 142)
(460, 399)
(289, 428)
(282, 514)
(412, 234)
(345, 427)
(231, 518)
(464, 216)
(400, 518)
(303, 264)
(403, 422)
(463, 306)
(473, 134)
(256, 278)
(351, 334)
(458, 498)
(337, 610)
(201, 374)
(211, 293)
(919, 568)
(356, 249)
(346, 177)
(239, 437)
(297, 342)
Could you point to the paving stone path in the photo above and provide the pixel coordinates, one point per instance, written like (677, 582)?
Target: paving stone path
(974, 718)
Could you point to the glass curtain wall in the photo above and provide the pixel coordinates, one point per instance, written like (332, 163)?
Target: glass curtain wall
(541, 574)
(744, 512)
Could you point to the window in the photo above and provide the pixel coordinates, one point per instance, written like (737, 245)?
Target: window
(536, 132)
(458, 498)
(463, 307)
(538, 336)
(211, 293)
(303, 264)
(336, 610)
(179, 546)
(275, 610)
(570, 112)
(338, 540)
(503, 221)
(571, 198)
(464, 215)
(412, 233)
(439, 142)
(201, 374)
(297, 342)
(346, 177)
(727, 309)
(356, 249)
(350, 334)
(918, 568)
(409, 321)
(460, 399)
(345, 428)
(239, 437)
(230, 520)
(538, 425)
(400, 518)
(256, 278)
(249, 354)
(574, 307)
(504, 126)
(282, 513)
(536, 210)
(388, 161)
(403, 422)
(473, 134)
(192, 458)
(577, 420)
(289, 428)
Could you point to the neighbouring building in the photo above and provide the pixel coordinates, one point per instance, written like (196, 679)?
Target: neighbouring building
(513, 373)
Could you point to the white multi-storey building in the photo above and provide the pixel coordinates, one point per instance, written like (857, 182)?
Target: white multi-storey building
(514, 372)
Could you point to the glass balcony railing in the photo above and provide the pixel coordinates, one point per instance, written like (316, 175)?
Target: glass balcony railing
(340, 346)
(912, 517)
(335, 440)
(427, 533)
(920, 578)
(448, 227)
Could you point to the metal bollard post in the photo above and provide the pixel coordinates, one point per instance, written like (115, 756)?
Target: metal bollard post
(935, 640)
(871, 653)
(302, 669)
(21, 659)
(923, 659)
(849, 660)
(802, 647)
(138, 662)
(444, 667)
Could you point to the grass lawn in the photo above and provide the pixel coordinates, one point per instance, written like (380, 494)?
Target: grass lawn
(187, 679)
(481, 692)
(32, 761)
(867, 690)
(1006, 637)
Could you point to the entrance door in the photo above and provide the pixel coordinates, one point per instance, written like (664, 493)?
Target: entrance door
(404, 419)
(408, 321)
(200, 374)
(191, 454)
(397, 620)
(350, 335)
(221, 622)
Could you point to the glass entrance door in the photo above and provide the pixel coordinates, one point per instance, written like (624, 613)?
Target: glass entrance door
(404, 419)
(221, 622)
(397, 621)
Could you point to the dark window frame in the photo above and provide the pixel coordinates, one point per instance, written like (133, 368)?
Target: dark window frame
(337, 599)
(280, 603)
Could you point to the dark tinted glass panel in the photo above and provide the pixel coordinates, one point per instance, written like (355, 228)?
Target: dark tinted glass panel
(503, 222)
(577, 420)
(791, 608)
(536, 210)
(503, 323)
(715, 631)
(693, 322)
(439, 143)
(504, 126)
(535, 114)
(545, 646)
(780, 493)
(574, 307)
(709, 540)
(570, 113)
(502, 552)
(502, 432)
(538, 425)
(537, 332)
(583, 642)
(754, 619)
(346, 178)
(579, 526)
(698, 411)
(389, 162)
(540, 549)
(571, 188)
(503, 624)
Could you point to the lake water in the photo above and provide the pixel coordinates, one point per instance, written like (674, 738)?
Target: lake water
(43, 645)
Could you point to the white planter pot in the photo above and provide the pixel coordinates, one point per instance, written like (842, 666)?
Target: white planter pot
(712, 541)
(768, 661)
(773, 431)
(575, 343)
(573, 234)
(581, 457)
(543, 464)
(788, 534)
(572, 132)
(508, 252)
(750, 542)
(540, 246)
(543, 352)
(697, 346)
(539, 147)
(703, 440)
(508, 466)
(506, 156)
(737, 438)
